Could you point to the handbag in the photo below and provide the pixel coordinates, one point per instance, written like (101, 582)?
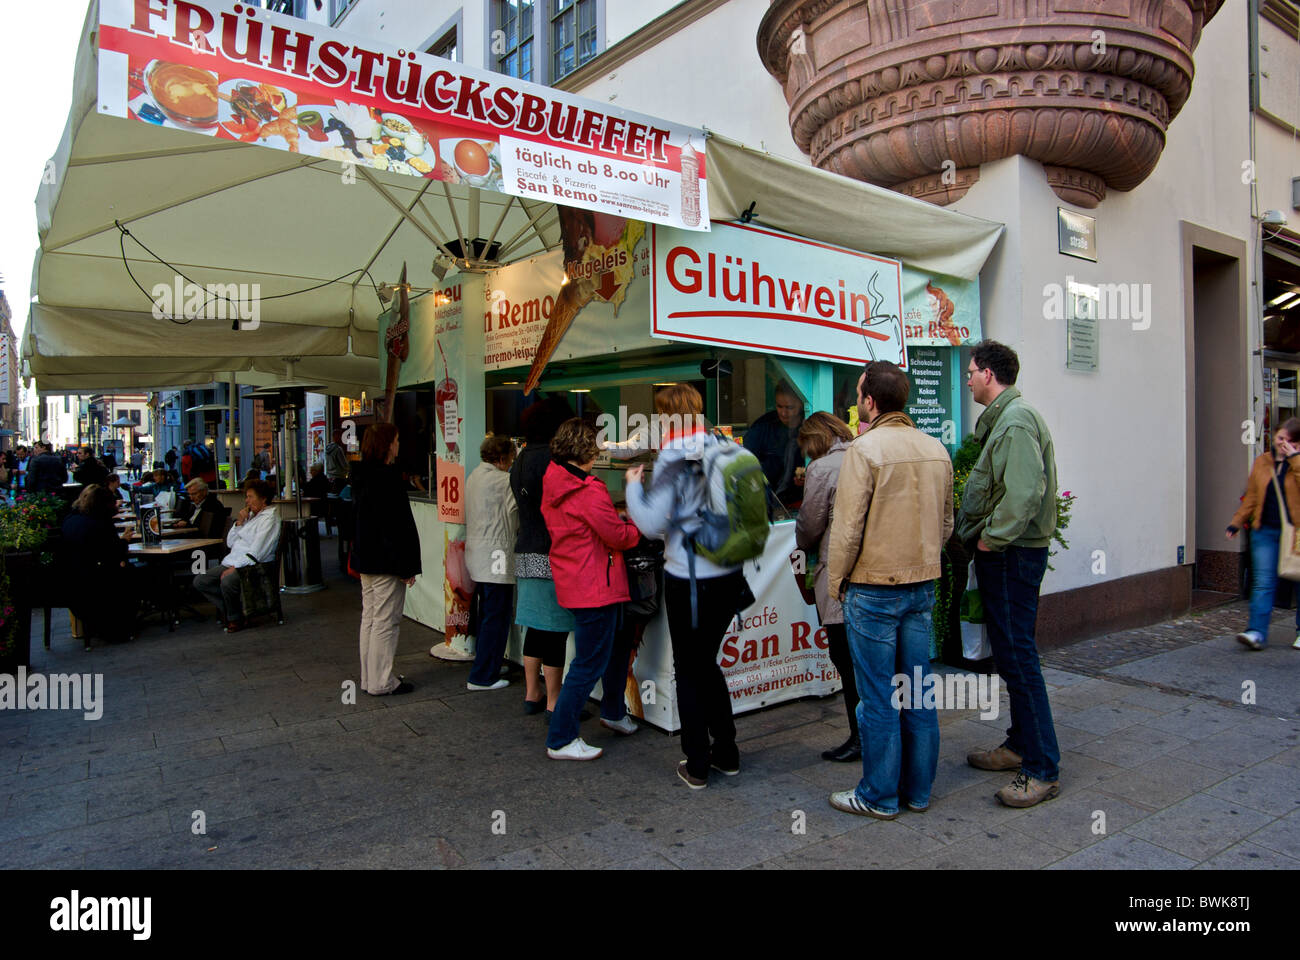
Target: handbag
(1288, 550)
(645, 564)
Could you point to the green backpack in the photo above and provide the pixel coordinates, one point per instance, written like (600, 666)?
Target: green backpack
(734, 521)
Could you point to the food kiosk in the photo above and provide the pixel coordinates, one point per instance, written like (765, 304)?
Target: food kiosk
(734, 311)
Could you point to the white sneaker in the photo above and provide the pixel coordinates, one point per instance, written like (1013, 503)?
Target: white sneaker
(479, 687)
(1251, 638)
(627, 726)
(576, 749)
(1296, 645)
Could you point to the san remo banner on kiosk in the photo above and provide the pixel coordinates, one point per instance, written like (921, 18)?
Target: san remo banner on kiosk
(237, 72)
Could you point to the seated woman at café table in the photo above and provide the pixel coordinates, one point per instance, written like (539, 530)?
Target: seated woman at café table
(95, 559)
(253, 539)
(159, 484)
(114, 485)
(318, 485)
(200, 501)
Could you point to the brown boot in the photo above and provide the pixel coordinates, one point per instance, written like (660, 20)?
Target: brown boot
(1025, 791)
(999, 758)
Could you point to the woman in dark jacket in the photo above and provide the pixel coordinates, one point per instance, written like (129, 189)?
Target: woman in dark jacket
(94, 560)
(548, 624)
(386, 552)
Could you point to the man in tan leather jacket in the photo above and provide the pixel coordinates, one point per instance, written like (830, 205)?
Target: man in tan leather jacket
(892, 515)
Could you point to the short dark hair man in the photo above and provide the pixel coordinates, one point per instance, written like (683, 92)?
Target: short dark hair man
(1008, 514)
(892, 516)
(773, 438)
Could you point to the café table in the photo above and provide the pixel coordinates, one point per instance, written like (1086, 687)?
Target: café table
(161, 559)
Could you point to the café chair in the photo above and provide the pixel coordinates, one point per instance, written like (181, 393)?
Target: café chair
(259, 588)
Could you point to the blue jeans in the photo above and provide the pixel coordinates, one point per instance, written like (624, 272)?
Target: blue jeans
(496, 612)
(613, 684)
(889, 634)
(1264, 546)
(1008, 582)
(593, 640)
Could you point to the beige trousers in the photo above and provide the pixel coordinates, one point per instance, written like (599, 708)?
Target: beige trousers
(382, 599)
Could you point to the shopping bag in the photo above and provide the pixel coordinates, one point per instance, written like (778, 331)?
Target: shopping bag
(1288, 549)
(974, 634)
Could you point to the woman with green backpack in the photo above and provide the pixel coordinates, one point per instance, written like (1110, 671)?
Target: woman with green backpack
(696, 623)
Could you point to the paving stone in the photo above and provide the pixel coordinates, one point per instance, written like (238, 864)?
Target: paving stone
(870, 845)
(736, 846)
(1109, 717)
(646, 861)
(1268, 787)
(154, 758)
(1160, 782)
(1282, 835)
(1072, 819)
(1250, 856)
(29, 851)
(1000, 848)
(534, 858)
(1123, 852)
(1197, 720)
(1232, 750)
(1132, 746)
(28, 820)
(1199, 826)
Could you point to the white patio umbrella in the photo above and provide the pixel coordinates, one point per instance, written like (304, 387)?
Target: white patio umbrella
(226, 212)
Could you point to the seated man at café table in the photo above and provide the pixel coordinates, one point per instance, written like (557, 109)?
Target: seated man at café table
(253, 539)
(199, 502)
(88, 469)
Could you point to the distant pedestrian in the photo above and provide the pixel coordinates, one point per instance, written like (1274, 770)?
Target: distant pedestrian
(491, 523)
(1008, 515)
(1262, 511)
(88, 470)
(588, 538)
(337, 466)
(137, 462)
(892, 516)
(385, 552)
(823, 438)
(171, 458)
(46, 473)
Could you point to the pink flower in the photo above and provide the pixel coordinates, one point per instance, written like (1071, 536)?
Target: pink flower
(1066, 494)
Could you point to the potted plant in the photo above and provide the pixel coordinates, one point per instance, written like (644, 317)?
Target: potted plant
(26, 525)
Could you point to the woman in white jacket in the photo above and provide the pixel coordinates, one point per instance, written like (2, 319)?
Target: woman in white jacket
(491, 522)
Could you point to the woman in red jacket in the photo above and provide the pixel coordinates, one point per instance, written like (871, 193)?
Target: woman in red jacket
(588, 538)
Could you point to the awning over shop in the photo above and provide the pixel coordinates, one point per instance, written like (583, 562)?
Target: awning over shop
(272, 222)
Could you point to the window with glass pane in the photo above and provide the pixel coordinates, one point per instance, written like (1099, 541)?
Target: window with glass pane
(513, 41)
(573, 35)
(446, 47)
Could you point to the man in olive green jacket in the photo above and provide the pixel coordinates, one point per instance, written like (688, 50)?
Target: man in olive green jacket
(1008, 514)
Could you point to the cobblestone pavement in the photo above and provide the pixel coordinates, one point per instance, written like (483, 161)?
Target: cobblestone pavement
(1162, 766)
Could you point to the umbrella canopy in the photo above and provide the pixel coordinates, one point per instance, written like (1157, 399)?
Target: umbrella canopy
(308, 242)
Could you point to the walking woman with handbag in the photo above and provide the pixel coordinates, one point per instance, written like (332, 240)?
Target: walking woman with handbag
(1273, 472)
(823, 438)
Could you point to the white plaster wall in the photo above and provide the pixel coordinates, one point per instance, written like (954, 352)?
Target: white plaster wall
(1119, 432)
(708, 75)
(405, 22)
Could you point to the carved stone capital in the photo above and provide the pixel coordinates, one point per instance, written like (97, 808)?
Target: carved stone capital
(890, 90)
